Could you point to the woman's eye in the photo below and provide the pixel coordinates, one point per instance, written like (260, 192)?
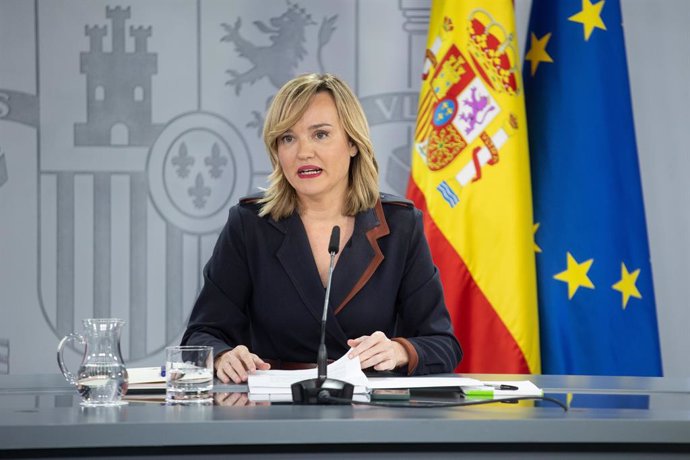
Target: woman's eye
(286, 139)
(321, 134)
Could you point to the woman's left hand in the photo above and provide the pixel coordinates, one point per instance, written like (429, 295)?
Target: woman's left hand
(378, 351)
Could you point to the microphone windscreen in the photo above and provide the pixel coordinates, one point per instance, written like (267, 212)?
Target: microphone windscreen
(334, 244)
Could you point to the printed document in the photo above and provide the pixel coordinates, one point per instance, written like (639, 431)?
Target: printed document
(279, 381)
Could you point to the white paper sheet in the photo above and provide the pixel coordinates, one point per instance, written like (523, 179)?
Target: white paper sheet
(145, 375)
(279, 381)
(421, 382)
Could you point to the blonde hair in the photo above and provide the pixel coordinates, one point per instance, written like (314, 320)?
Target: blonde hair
(288, 106)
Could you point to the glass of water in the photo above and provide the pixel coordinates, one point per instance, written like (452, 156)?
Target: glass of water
(189, 374)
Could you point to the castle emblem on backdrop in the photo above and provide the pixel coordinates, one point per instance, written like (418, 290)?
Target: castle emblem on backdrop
(460, 101)
(275, 62)
(118, 86)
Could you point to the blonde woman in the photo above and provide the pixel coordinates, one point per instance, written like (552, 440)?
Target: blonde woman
(262, 299)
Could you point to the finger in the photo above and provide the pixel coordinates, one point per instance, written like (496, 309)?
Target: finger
(358, 340)
(374, 359)
(247, 360)
(386, 365)
(219, 363)
(371, 357)
(221, 371)
(354, 343)
(381, 350)
(234, 375)
(380, 362)
(236, 370)
(372, 345)
(221, 374)
(260, 363)
(242, 354)
(239, 350)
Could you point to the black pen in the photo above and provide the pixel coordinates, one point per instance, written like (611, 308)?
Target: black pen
(501, 386)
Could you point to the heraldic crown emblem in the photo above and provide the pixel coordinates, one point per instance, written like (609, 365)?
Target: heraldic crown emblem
(493, 50)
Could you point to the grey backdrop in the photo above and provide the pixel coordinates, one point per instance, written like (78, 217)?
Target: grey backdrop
(127, 128)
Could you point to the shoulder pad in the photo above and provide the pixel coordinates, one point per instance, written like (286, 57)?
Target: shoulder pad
(396, 200)
(251, 199)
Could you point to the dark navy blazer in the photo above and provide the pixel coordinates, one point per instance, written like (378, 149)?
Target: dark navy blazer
(262, 289)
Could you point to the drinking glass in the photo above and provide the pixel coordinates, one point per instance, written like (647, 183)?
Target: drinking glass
(189, 374)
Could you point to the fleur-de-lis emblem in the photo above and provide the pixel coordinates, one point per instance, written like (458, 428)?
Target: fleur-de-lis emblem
(183, 161)
(215, 161)
(199, 191)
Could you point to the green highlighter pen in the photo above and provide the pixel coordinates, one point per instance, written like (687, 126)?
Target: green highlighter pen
(488, 392)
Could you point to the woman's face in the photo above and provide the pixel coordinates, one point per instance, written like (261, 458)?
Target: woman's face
(315, 153)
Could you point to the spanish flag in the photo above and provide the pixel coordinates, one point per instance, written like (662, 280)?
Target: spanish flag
(470, 175)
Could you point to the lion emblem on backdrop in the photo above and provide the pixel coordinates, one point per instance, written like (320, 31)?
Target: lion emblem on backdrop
(278, 60)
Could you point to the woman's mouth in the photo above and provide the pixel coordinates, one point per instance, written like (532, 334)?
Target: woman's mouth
(308, 172)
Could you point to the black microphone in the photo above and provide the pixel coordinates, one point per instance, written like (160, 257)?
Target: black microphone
(320, 389)
(322, 356)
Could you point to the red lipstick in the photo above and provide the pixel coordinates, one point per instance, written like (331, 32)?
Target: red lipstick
(309, 172)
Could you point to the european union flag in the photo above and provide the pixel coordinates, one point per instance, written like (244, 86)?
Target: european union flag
(596, 297)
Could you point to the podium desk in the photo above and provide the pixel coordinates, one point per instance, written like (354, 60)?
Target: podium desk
(40, 417)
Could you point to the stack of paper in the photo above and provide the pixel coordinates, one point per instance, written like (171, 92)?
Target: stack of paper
(279, 381)
(146, 379)
(424, 382)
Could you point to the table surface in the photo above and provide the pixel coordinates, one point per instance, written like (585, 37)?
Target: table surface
(43, 412)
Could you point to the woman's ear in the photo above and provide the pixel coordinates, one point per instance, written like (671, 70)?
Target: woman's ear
(352, 147)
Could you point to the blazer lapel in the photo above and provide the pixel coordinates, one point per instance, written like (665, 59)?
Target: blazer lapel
(297, 261)
(361, 258)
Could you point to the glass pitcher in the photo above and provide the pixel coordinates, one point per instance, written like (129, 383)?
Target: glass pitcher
(102, 376)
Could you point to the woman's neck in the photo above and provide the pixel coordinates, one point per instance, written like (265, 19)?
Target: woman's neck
(321, 211)
(321, 214)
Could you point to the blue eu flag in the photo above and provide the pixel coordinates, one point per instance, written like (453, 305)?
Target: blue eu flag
(596, 297)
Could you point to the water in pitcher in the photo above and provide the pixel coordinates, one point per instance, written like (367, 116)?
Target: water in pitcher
(99, 384)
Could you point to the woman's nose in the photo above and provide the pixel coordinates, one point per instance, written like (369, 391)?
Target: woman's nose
(304, 150)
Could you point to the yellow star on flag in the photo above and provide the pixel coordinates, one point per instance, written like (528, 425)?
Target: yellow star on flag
(537, 51)
(534, 232)
(589, 17)
(626, 286)
(575, 275)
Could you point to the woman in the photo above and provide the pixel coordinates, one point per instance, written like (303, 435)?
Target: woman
(262, 300)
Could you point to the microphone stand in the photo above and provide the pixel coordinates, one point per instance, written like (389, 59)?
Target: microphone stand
(321, 389)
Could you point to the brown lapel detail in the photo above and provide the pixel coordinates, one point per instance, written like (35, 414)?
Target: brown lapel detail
(372, 235)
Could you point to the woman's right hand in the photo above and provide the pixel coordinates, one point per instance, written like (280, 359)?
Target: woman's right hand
(237, 364)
